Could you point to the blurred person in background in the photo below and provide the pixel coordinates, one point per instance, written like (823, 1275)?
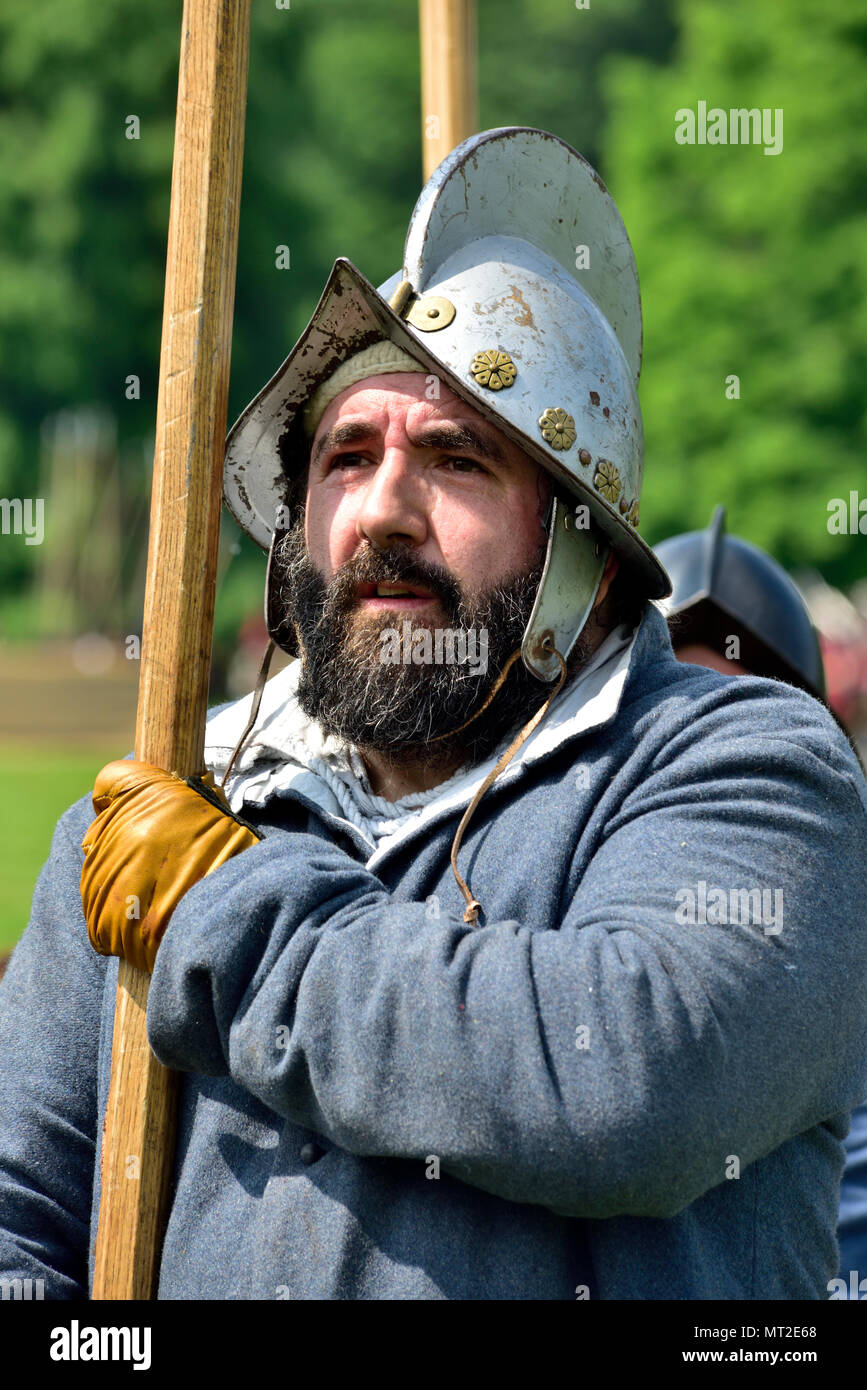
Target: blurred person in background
(734, 609)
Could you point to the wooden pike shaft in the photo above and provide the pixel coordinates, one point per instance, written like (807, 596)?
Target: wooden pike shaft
(139, 1127)
(448, 77)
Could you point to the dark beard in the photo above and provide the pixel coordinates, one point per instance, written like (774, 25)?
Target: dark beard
(396, 710)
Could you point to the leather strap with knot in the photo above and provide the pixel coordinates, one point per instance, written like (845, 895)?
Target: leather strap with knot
(473, 906)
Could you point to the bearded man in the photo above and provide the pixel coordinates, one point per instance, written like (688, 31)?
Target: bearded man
(506, 980)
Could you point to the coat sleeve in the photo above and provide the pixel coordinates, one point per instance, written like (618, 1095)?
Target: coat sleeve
(50, 1010)
(616, 1064)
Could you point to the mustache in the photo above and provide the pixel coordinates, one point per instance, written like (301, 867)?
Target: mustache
(399, 563)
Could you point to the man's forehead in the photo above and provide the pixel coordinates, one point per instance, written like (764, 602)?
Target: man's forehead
(398, 393)
(401, 399)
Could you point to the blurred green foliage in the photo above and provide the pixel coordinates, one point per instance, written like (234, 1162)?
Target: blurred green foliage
(749, 264)
(39, 786)
(755, 265)
(332, 167)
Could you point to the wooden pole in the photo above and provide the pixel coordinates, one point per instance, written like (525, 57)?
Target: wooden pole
(448, 77)
(139, 1126)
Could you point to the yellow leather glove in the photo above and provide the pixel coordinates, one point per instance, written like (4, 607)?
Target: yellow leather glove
(154, 836)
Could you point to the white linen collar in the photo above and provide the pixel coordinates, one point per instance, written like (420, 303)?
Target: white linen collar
(288, 753)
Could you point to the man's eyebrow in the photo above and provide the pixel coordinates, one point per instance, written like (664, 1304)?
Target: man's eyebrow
(349, 433)
(464, 436)
(452, 437)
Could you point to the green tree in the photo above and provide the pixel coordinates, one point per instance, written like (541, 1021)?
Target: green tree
(752, 265)
(332, 167)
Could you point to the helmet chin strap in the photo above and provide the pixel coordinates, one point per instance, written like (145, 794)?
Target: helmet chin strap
(473, 906)
(282, 634)
(574, 565)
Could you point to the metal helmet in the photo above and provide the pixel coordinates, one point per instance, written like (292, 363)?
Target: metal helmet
(721, 581)
(519, 291)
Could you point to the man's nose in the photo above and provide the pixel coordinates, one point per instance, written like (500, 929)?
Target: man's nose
(393, 507)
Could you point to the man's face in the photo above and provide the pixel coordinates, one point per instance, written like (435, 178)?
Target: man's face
(420, 517)
(389, 466)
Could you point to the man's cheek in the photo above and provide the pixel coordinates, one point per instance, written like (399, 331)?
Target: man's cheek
(329, 543)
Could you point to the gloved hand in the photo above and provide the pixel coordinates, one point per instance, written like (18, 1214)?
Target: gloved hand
(154, 836)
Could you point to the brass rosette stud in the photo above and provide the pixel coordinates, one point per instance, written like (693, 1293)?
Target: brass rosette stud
(493, 368)
(607, 480)
(558, 428)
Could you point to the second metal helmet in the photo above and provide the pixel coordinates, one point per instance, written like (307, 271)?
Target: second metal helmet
(720, 582)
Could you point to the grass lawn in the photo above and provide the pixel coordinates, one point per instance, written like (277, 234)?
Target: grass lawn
(36, 786)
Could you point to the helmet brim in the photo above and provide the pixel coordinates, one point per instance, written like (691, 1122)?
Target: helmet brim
(350, 315)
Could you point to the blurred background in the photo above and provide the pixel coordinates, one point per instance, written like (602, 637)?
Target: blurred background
(751, 265)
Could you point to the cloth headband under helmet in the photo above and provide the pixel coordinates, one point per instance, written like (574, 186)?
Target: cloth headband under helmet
(376, 360)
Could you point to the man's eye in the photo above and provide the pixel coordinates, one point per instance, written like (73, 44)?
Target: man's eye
(345, 461)
(463, 465)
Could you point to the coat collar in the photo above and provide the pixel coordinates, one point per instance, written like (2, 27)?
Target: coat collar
(288, 755)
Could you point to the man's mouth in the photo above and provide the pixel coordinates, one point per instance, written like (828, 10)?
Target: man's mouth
(395, 594)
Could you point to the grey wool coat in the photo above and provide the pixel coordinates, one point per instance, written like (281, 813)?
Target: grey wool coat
(631, 1080)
